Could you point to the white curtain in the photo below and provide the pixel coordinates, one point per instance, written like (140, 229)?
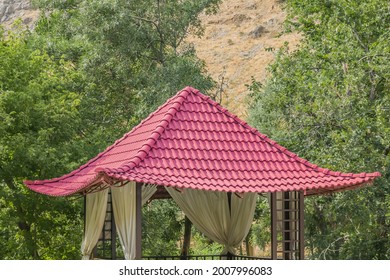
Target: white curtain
(147, 192)
(243, 210)
(209, 212)
(124, 207)
(96, 204)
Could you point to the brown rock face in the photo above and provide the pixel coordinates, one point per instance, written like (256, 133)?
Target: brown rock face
(10, 10)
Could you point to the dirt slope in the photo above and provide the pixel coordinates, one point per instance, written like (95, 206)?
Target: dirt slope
(10, 10)
(235, 45)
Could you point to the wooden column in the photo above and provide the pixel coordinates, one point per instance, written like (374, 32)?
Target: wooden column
(274, 232)
(229, 197)
(85, 212)
(187, 238)
(287, 225)
(301, 225)
(113, 235)
(138, 221)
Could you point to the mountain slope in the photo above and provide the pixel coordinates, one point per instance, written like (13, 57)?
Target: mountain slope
(239, 43)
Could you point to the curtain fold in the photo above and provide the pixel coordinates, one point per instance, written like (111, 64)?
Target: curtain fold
(96, 205)
(209, 212)
(147, 192)
(243, 210)
(124, 202)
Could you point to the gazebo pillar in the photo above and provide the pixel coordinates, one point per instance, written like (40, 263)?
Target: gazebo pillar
(301, 225)
(274, 237)
(287, 225)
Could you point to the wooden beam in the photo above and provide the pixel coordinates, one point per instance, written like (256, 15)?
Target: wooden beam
(138, 221)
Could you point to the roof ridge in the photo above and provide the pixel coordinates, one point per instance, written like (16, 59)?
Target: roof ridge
(157, 132)
(278, 146)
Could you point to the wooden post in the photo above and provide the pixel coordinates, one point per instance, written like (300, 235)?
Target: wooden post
(248, 246)
(187, 238)
(229, 197)
(85, 212)
(138, 221)
(113, 234)
(274, 237)
(301, 226)
(286, 223)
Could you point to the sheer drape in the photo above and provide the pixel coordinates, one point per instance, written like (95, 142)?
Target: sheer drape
(209, 212)
(96, 205)
(147, 192)
(243, 210)
(124, 202)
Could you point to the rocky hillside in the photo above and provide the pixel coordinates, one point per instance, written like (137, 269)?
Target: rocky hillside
(10, 10)
(238, 44)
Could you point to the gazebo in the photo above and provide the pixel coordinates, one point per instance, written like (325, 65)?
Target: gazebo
(212, 164)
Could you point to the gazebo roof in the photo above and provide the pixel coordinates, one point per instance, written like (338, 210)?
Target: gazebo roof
(193, 142)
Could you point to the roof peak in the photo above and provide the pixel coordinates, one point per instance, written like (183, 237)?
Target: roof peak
(175, 102)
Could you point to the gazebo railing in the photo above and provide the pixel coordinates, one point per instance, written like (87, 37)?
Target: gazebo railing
(204, 257)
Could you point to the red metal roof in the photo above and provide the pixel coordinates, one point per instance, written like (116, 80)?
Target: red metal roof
(193, 142)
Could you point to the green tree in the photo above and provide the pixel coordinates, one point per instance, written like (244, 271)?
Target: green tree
(86, 74)
(162, 228)
(39, 125)
(329, 102)
(131, 52)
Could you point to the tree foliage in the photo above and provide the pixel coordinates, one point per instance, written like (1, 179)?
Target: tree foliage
(329, 101)
(38, 129)
(87, 73)
(162, 226)
(132, 53)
